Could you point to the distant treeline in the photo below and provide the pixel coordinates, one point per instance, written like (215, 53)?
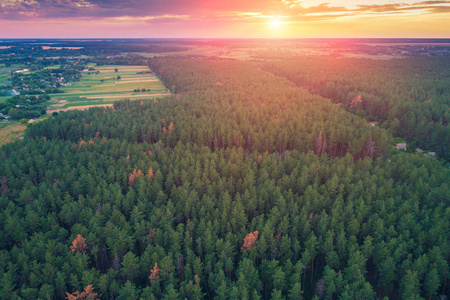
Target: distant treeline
(88, 47)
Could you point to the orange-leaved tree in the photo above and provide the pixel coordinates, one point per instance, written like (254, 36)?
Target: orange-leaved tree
(81, 144)
(79, 244)
(356, 101)
(151, 234)
(154, 273)
(250, 241)
(150, 173)
(133, 176)
(88, 293)
(171, 127)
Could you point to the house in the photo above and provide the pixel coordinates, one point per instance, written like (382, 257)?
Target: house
(430, 154)
(419, 150)
(373, 123)
(21, 71)
(401, 146)
(31, 121)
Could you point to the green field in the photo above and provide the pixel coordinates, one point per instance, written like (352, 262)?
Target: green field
(5, 77)
(105, 88)
(5, 73)
(52, 67)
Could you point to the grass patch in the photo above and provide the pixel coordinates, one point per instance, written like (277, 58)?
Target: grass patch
(5, 73)
(10, 132)
(92, 102)
(52, 67)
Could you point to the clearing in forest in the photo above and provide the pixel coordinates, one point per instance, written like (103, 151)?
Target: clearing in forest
(10, 132)
(104, 85)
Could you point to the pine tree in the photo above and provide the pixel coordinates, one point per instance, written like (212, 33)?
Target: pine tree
(320, 144)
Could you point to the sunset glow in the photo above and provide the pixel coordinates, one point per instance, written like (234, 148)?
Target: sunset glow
(275, 23)
(227, 19)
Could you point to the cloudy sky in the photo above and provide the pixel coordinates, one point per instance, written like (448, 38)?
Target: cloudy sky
(217, 18)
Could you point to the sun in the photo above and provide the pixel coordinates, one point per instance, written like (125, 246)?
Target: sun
(275, 23)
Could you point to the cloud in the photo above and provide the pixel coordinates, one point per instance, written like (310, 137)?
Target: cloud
(426, 7)
(322, 8)
(432, 2)
(168, 18)
(380, 8)
(148, 18)
(325, 11)
(322, 17)
(440, 9)
(138, 8)
(233, 10)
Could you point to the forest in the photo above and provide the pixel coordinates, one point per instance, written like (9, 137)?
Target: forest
(242, 184)
(410, 96)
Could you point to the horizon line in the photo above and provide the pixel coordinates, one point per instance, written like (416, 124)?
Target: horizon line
(228, 38)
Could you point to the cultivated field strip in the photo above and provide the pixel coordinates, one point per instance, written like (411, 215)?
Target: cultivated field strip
(104, 85)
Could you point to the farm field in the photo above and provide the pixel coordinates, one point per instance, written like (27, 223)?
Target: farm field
(102, 86)
(11, 131)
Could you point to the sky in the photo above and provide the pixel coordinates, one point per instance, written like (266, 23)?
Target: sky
(224, 19)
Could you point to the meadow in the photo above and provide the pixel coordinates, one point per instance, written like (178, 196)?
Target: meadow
(102, 86)
(5, 78)
(11, 131)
